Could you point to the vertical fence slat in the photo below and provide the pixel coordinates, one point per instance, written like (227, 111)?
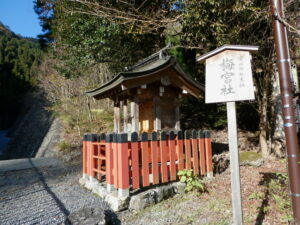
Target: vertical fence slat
(88, 147)
(96, 160)
(115, 159)
(109, 159)
(172, 154)
(135, 161)
(195, 153)
(94, 150)
(187, 145)
(154, 156)
(123, 165)
(179, 148)
(163, 152)
(145, 159)
(102, 153)
(84, 159)
(208, 151)
(201, 145)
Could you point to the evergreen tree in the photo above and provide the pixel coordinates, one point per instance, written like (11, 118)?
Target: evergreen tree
(18, 62)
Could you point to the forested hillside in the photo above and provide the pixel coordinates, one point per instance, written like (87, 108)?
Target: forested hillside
(19, 60)
(90, 41)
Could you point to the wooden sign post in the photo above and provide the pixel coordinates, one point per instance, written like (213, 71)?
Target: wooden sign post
(228, 78)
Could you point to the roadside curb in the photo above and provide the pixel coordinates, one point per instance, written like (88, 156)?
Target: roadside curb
(28, 163)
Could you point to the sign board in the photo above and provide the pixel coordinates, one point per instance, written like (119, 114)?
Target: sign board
(228, 77)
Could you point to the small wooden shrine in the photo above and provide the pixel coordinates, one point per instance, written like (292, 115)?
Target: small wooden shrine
(153, 89)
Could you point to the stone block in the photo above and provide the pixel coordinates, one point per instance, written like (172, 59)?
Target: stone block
(142, 200)
(83, 180)
(164, 192)
(116, 203)
(179, 187)
(87, 216)
(99, 189)
(152, 196)
(91, 183)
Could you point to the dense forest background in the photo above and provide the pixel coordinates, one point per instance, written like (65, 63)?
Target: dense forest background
(19, 61)
(85, 43)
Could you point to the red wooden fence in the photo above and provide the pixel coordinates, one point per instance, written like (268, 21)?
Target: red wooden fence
(147, 160)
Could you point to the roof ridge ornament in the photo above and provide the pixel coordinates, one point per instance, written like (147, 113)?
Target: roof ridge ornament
(160, 54)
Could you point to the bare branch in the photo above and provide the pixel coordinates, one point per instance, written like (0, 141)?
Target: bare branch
(291, 28)
(145, 22)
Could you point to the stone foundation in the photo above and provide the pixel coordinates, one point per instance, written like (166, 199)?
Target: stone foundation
(136, 200)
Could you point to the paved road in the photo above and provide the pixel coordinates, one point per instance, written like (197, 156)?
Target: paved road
(43, 196)
(3, 141)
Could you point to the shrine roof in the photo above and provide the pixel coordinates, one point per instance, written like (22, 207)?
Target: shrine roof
(148, 70)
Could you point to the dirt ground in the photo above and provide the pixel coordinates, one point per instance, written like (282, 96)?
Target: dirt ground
(264, 193)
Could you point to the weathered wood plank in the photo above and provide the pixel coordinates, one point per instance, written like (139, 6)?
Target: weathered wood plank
(172, 154)
(135, 115)
(145, 159)
(135, 161)
(125, 115)
(157, 109)
(117, 117)
(163, 152)
(177, 116)
(187, 144)
(195, 153)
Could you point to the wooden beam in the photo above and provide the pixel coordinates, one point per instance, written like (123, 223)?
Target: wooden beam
(117, 116)
(125, 115)
(157, 123)
(177, 116)
(135, 115)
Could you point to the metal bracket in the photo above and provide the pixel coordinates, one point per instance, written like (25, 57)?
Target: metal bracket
(295, 194)
(293, 155)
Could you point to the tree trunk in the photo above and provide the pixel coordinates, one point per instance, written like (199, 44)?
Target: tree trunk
(277, 130)
(263, 135)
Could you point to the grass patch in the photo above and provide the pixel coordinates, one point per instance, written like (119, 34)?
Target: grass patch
(64, 147)
(249, 156)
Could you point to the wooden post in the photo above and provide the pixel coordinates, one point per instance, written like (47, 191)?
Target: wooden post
(135, 115)
(163, 157)
(125, 114)
(145, 159)
(115, 151)
(135, 161)
(154, 156)
(123, 165)
(116, 116)
(84, 156)
(157, 123)
(109, 163)
(177, 116)
(234, 165)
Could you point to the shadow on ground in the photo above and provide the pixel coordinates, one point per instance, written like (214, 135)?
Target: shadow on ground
(29, 129)
(110, 217)
(41, 177)
(275, 189)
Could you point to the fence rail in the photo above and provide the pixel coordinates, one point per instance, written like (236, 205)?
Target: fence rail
(146, 160)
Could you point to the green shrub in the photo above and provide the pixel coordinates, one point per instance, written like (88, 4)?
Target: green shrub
(64, 147)
(192, 182)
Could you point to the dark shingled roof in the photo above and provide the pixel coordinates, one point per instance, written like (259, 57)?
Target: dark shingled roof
(147, 67)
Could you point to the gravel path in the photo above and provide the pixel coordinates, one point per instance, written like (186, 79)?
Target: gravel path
(43, 196)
